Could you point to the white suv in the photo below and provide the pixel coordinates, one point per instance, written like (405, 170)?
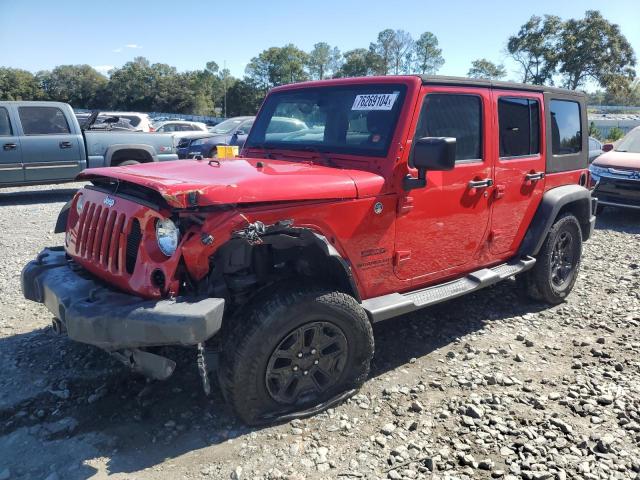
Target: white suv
(140, 121)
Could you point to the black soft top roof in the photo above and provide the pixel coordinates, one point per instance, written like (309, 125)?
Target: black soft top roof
(474, 82)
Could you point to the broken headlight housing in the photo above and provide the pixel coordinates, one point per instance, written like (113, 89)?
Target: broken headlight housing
(168, 236)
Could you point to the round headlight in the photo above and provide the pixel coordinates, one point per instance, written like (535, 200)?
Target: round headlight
(168, 235)
(80, 204)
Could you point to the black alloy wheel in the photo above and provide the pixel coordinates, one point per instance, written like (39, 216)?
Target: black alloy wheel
(306, 363)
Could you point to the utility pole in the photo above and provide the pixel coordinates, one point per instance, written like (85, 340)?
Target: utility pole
(224, 85)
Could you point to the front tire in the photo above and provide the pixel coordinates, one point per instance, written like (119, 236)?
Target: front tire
(556, 270)
(128, 162)
(294, 354)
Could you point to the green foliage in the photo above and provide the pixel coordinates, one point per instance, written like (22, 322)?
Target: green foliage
(534, 48)
(577, 50)
(428, 56)
(16, 84)
(483, 68)
(79, 85)
(361, 62)
(323, 61)
(595, 131)
(278, 66)
(615, 134)
(594, 48)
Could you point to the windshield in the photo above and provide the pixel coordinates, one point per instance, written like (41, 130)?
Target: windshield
(630, 143)
(227, 126)
(358, 120)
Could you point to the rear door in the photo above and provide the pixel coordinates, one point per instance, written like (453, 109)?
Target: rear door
(441, 227)
(51, 148)
(11, 170)
(519, 168)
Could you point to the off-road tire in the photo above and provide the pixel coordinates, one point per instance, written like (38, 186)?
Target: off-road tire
(257, 334)
(538, 282)
(128, 162)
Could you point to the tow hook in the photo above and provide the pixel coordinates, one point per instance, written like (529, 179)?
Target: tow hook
(58, 327)
(202, 368)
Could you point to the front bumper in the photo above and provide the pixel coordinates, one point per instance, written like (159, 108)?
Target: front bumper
(98, 315)
(617, 192)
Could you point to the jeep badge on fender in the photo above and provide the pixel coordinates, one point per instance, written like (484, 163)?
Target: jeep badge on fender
(398, 193)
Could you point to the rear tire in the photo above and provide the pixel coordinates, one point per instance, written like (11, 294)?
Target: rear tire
(295, 353)
(557, 264)
(128, 162)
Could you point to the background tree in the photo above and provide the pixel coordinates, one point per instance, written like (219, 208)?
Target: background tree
(78, 85)
(402, 48)
(592, 48)
(535, 49)
(383, 49)
(278, 66)
(17, 84)
(244, 98)
(361, 62)
(428, 56)
(323, 61)
(483, 68)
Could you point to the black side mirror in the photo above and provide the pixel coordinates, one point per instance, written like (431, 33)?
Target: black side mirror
(430, 153)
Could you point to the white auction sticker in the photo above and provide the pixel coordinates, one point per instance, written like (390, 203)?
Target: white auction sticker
(375, 101)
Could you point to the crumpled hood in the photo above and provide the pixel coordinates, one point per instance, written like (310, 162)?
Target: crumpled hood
(241, 180)
(618, 159)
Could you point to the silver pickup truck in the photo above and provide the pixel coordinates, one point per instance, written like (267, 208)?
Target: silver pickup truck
(42, 142)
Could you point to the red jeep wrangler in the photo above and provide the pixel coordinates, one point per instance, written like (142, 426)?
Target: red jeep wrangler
(401, 192)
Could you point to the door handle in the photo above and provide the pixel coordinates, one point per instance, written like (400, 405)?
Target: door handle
(65, 144)
(534, 177)
(9, 146)
(487, 182)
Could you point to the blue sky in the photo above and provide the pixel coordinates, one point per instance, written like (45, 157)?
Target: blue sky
(37, 34)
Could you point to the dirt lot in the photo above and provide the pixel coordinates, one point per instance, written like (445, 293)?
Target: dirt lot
(487, 386)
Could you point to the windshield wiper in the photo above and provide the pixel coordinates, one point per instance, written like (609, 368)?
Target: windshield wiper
(321, 153)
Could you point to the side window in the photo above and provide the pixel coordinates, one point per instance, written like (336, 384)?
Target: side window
(246, 126)
(519, 122)
(453, 115)
(5, 123)
(43, 121)
(566, 128)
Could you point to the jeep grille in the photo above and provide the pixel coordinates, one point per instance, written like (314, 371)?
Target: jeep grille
(108, 238)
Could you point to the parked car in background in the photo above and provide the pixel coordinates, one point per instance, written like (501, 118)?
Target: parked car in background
(183, 141)
(180, 126)
(234, 131)
(595, 149)
(616, 173)
(139, 121)
(106, 123)
(42, 142)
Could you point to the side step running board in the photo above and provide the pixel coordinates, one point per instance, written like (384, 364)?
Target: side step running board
(395, 304)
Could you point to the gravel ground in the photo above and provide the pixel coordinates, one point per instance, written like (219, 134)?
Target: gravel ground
(489, 386)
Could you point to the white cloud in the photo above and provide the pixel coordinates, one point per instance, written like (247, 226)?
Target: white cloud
(104, 69)
(132, 45)
(117, 50)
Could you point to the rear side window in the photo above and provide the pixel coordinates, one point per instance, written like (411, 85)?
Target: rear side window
(519, 121)
(43, 121)
(566, 128)
(135, 121)
(5, 124)
(457, 116)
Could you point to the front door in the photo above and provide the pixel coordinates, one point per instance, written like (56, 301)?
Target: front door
(11, 170)
(50, 149)
(441, 227)
(519, 170)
